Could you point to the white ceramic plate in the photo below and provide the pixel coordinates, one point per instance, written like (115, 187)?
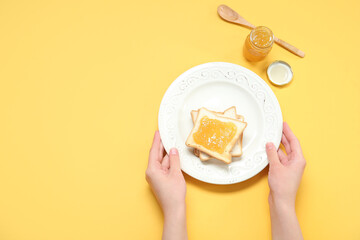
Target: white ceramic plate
(218, 86)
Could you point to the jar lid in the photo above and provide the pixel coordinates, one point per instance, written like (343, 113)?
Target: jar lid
(279, 73)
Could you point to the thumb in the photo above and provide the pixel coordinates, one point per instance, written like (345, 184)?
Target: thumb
(272, 154)
(174, 159)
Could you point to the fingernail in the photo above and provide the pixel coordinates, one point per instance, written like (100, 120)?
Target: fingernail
(173, 151)
(269, 146)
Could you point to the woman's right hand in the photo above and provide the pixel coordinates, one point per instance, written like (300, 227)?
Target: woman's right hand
(285, 170)
(285, 173)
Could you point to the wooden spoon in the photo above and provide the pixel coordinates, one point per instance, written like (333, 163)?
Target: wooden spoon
(230, 15)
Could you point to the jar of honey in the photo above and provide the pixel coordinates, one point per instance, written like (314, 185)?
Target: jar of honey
(258, 44)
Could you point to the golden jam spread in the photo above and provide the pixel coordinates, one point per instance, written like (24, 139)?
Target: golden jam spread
(258, 44)
(214, 134)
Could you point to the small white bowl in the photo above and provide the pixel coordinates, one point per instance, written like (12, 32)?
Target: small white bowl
(279, 73)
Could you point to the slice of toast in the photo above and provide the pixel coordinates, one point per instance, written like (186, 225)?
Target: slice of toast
(231, 113)
(197, 152)
(224, 137)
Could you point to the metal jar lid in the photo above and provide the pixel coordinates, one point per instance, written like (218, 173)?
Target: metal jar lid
(280, 73)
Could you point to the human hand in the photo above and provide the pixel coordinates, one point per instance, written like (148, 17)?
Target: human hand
(285, 170)
(165, 178)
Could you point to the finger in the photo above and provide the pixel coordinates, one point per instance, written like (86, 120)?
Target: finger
(174, 160)
(286, 144)
(272, 155)
(154, 151)
(282, 156)
(165, 164)
(161, 150)
(290, 136)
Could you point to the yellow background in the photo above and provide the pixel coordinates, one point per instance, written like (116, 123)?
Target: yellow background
(80, 88)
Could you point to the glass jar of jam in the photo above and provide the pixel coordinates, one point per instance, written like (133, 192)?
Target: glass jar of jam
(258, 44)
